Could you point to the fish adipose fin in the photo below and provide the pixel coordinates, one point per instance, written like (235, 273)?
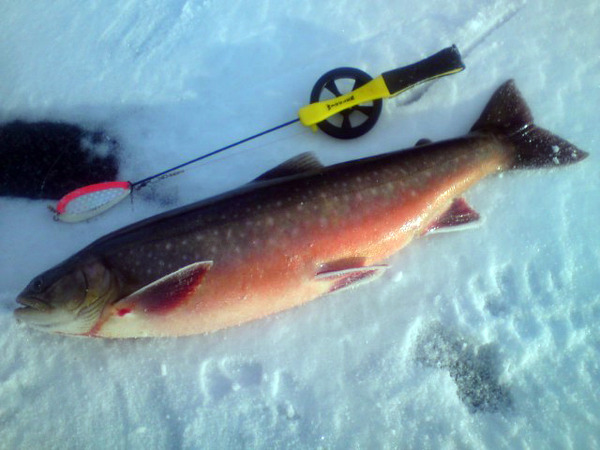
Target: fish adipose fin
(458, 217)
(304, 162)
(166, 293)
(508, 115)
(352, 277)
(423, 141)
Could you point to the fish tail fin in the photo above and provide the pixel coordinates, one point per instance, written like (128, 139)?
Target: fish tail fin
(508, 115)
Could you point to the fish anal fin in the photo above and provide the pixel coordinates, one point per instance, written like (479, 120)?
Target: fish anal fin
(166, 293)
(304, 162)
(458, 217)
(350, 277)
(342, 264)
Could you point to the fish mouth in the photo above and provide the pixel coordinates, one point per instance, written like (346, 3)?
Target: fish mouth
(33, 303)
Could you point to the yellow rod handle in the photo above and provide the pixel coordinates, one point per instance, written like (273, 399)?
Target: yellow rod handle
(317, 112)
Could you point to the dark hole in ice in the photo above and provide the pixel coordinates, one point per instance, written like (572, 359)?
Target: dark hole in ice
(46, 160)
(474, 368)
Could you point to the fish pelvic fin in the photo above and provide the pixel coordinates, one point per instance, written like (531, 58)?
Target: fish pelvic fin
(508, 115)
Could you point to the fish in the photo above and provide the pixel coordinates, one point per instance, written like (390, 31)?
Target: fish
(296, 233)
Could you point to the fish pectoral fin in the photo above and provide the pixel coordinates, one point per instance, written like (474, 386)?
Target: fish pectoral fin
(304, 162)
(351, 277)
(458, 217)
(166, 293)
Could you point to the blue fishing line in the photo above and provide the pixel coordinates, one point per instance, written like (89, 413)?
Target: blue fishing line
(142, 183)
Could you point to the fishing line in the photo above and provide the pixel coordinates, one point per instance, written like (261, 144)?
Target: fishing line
(140, 184)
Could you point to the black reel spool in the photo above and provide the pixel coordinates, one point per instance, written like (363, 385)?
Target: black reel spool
(352, 122)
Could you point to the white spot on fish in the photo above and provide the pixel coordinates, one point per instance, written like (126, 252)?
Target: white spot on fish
(199, 237)
(555, 148)
(555, 160)
(168, 246)
(270, 221)
(184, 242)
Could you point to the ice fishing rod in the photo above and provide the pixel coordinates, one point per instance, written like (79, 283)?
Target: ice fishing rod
(340, 115)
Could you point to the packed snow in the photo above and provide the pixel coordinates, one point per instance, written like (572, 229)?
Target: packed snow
(483, 338)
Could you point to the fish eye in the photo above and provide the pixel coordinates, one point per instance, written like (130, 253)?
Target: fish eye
(37, 285)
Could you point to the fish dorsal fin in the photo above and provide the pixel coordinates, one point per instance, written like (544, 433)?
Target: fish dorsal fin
(506, 111)
(304, 162)
(166, 293)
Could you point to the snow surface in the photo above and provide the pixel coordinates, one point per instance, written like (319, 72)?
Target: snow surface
(486, 338)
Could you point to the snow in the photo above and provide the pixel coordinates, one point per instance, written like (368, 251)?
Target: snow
(484, 338)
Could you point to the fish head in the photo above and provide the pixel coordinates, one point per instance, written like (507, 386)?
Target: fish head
(68, 298)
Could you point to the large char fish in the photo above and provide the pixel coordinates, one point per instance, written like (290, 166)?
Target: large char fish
(299, 231)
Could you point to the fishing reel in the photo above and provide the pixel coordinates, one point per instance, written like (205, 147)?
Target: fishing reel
(346, 103)
(352, 122)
